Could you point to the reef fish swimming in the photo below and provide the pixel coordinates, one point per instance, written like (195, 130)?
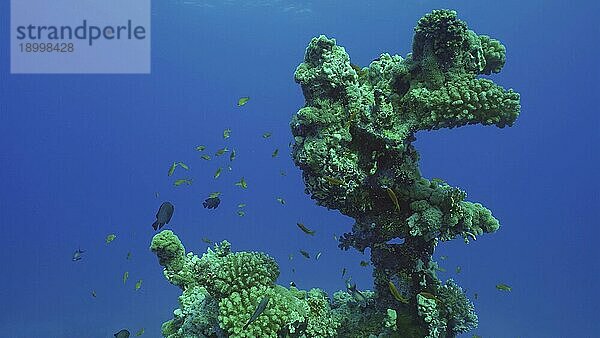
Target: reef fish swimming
(77, 255)
(259, 310)
(122, 334)
(163, 216)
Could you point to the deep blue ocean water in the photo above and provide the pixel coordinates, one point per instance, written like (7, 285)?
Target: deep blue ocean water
(82, 156)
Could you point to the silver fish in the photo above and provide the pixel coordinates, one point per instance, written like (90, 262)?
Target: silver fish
(77, 255)
(259, 310)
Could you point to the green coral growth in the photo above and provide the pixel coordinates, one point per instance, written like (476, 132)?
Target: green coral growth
(222, 289)
(354, 144)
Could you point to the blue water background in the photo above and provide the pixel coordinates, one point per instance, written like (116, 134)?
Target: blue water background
(82, 157)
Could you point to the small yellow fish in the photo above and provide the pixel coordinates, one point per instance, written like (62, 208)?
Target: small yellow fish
(242, 183)
(200, 148)
(443, 257)
(396, 293)
(138, 285)
(232, 156)
(218, 173)
(140, 332)
(333, 181)
(241, 213)
(305, 229)
(503, 287)
(110, 238)
(221, 151)
(187, 181)
(226, 133)
(267, 134)
(275, 153)
(205, 157)
(243, 100)
(393, 197)
(214, 194)
(428, 295)
(241, 205)
(183, 165)
(125, 277)
(280, 200)
(172, 168)
(364, 263)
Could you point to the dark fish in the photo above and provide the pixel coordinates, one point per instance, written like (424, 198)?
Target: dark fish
(77, 255)
(122, 334)
(163, 216)
(211, 202)
(219, 331)
(357, 295)
(305, 254)
(305, 229)
(259, 310)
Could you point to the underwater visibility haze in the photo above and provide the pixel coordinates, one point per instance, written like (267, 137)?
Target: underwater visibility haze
(311, 169)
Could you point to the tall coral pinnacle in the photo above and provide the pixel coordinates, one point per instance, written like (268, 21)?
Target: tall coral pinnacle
(353, 142)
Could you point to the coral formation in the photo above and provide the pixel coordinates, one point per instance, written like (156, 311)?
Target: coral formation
(354, 143)
(221, 290)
